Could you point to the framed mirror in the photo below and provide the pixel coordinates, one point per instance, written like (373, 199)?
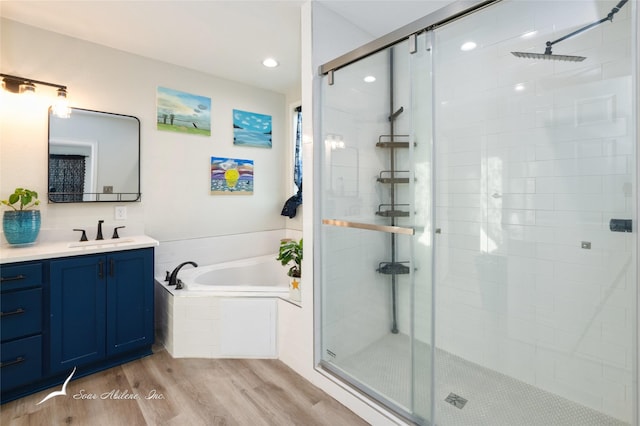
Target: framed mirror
(94, 156)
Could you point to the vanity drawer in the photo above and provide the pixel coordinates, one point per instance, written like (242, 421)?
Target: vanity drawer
(23, 275)
(21, 362)
(21, 313)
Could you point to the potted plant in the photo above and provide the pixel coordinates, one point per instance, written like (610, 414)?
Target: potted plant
(21, 224)
(291, 252)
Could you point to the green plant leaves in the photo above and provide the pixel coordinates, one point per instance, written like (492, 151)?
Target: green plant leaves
(26, 197)
(291, 251)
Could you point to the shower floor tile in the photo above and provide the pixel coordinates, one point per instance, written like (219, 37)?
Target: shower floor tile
(490, 398)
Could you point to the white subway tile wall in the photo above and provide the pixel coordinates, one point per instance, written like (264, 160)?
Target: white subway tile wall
(523, 178)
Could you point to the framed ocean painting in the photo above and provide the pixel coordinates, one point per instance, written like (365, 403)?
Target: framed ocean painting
(251, 129)
(183, 112)
(231, 176)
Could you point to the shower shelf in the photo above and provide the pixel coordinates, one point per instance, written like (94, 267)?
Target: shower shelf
(391, 178)
(393, 144)
(393, 268)
(392, 212)
(393, 141)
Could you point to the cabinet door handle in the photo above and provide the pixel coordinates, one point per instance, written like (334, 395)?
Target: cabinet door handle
(18, 360)
(16, 312)
(112, 267)
(101, 269)
(16, 278)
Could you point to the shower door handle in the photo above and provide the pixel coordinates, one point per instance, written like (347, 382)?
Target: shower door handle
(370, 226)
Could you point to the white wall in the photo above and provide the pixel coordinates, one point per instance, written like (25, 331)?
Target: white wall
(174, 167)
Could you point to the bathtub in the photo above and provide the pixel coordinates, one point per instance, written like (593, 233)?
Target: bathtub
(253, 275)
(225, 310)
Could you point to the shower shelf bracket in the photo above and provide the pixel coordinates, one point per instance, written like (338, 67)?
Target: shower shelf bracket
(395, 115)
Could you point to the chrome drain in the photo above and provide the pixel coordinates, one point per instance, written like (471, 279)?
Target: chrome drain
(456, 400)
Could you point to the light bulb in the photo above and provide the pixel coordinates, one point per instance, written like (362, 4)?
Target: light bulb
(61, 106)
(28, 88)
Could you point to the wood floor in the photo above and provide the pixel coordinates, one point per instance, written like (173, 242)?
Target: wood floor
(185, 392)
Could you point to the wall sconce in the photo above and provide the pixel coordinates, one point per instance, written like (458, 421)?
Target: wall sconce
(15, 84)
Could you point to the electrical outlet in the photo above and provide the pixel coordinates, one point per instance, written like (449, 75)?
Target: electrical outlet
(120, 213)
(107, 189)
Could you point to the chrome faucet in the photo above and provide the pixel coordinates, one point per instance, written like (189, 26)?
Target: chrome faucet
(173, 277)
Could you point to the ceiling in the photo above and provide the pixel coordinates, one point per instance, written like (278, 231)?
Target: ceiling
(225, 38)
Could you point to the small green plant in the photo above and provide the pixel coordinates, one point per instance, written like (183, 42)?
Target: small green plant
(291, 251)
(25, 197)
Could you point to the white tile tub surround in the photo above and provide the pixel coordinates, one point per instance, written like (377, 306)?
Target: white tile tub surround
(209, 326)
(522, 179)
(224, 248)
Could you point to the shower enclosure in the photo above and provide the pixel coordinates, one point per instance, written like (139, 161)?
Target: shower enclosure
(475, 264)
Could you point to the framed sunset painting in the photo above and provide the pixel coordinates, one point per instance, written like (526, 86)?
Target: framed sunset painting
(231, 176)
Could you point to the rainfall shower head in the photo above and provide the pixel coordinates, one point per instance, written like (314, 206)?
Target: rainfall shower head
(550, 56)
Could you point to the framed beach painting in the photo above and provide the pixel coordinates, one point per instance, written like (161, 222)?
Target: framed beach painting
(183, 112)
(231, 176)
(251, 129)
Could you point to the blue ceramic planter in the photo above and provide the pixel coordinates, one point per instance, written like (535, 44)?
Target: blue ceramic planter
(21, 227)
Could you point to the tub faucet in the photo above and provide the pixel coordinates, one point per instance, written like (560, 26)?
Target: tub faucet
(173, 278)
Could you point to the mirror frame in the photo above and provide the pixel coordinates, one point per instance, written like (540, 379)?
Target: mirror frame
(96, 195)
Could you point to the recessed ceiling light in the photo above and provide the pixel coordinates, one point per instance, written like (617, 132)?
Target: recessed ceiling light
(369, 79)
(270, 63)
(468, 46)
(519, 87)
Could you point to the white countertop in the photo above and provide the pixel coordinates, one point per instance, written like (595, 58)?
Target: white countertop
(48, 250)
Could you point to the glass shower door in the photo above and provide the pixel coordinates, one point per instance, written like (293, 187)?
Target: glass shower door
(372, 287)
(535, 167)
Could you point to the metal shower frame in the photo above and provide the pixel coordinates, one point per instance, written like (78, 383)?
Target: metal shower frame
(438, 18)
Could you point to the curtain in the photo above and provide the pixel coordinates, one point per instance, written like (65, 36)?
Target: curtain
(291, 205)
(66, 175)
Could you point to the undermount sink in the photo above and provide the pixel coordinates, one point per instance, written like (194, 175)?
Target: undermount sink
(99, 243)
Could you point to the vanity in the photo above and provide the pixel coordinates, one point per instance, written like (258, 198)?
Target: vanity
(84, 306)
(87, 306)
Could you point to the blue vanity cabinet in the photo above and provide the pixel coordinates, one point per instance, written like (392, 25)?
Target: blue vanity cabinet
(91, 310)
(21, 308)
(130, 301)
(78, 311)
(101, 308)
